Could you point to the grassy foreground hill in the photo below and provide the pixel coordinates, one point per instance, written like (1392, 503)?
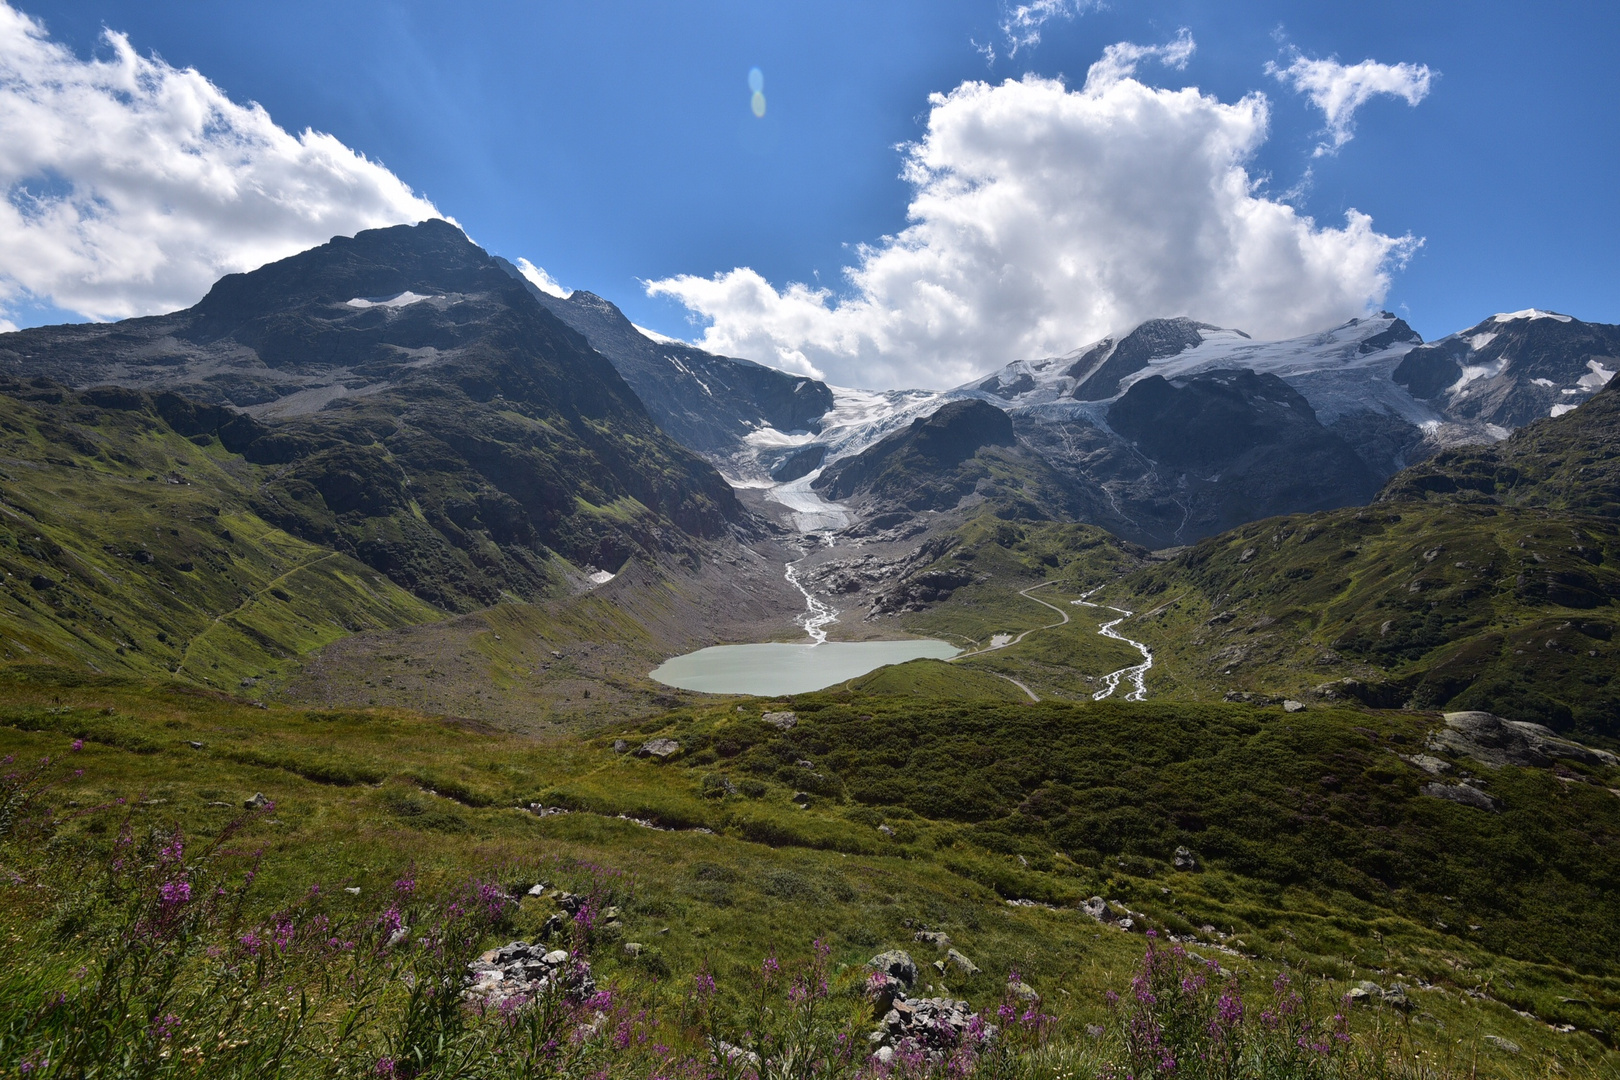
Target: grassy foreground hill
(868, 820)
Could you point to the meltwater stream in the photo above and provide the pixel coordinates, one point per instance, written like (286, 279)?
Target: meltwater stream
(1137, 674)
(817, 614)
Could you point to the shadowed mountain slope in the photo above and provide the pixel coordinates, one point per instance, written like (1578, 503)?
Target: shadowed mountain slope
(419, 410)
(964, 448)
(708, 403)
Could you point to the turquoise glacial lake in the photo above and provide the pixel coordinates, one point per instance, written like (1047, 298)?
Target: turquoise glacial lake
(772, 670)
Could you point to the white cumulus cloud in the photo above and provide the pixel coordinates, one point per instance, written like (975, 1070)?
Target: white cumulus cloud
(1340, 89)
(1043, 218)
(130, 186)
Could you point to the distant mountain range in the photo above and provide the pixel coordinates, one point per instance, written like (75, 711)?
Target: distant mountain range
(1166, 434)
(1163, 435)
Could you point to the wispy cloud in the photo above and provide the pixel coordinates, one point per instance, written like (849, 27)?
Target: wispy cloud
(1044, 217)
(1339, 89)
(129, 186)
(542, 280)
(1021, 24)
(1120, 61)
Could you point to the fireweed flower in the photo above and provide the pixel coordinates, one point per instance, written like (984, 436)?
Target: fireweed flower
(174, 893)
(78, 744)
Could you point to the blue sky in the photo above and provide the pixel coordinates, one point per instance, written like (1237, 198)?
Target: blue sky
(612, 143)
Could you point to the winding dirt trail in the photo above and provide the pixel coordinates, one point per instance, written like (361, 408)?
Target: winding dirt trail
(1136, 673)
(1063, 618)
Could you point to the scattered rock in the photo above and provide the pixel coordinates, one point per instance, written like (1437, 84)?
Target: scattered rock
(520, 972)
(937, 938)
(1184, 860)
(353, 890)
(658, 748)
(1507, 1045)
(885, 830)
(537, 889)
(632, 949)
(1396, 997)
(1365, 991)
(258, 802)
(620, 746)
(552, 927)
(195, 745)
(1289, 705)
(931, 1025)
(398, 938)
(1465, 794)
(967, 967)
(1024, 992)
(802, 798)
(1493, 741)
(1096, 1031)
(783, 720)
(1429, 764)
(897, 965)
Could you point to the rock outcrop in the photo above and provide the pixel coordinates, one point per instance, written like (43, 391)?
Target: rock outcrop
(1493, 741)
(519, 972)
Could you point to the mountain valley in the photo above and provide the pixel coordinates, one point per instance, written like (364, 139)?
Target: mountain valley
(392, 538)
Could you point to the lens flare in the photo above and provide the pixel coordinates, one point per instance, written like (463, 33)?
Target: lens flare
(758, 104)
(756, 80)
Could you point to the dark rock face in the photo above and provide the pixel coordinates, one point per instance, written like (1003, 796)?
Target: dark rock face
(1247, 446)
(708, 403)
(1153, 340)
(1427, 370)
(799, 463)
(1398, 332)
(435, 421)
(1510, 372)
(930, 465)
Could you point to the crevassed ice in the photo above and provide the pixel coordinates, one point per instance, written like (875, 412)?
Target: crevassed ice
(404, 299)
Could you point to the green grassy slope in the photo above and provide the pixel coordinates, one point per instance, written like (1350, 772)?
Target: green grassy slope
(989, 562)
(1570, 463)
(127, 548)
(1498, 608)
(1361, 878)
